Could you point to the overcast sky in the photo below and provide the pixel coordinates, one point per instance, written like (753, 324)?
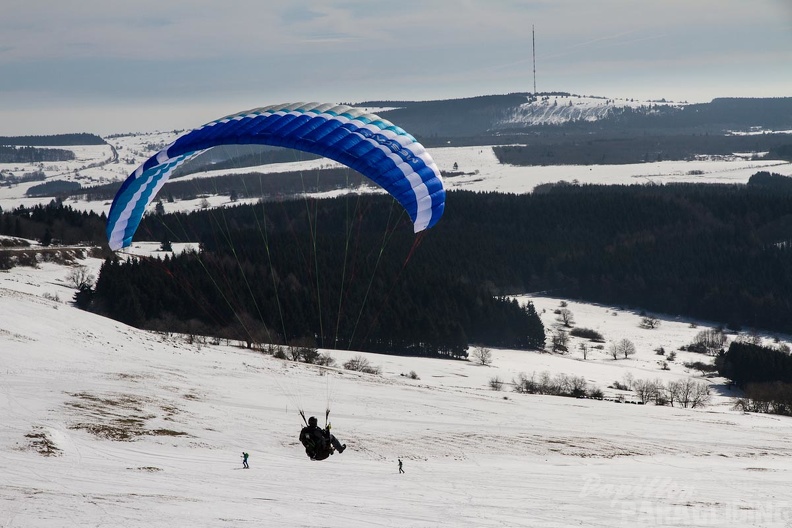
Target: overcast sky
(107, 66)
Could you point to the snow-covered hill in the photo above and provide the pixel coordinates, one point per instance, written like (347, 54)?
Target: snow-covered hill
(559, 109)
(479, 168)
(105, 425)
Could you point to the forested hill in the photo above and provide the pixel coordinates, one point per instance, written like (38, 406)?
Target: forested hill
(717, 252)
(474, 116)
(56, 140)
(604, 150)
(499, 119)
(34, 155)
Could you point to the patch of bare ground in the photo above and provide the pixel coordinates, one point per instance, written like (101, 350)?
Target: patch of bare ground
(121, 417)
(39, 441)
(13, 336)
(33, 256)
(191, 396)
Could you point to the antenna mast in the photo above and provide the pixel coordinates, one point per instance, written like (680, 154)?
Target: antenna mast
(533, 49)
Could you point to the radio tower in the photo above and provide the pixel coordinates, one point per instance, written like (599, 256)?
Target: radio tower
(533, 49)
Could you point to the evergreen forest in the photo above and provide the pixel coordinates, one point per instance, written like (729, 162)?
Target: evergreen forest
(349, 272)
(53, 140)
(11, 154)
(344, 273)
(764, 374)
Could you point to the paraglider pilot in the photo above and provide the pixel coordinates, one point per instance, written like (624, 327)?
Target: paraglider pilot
(319, 443)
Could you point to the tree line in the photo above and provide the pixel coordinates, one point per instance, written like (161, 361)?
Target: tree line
(605, 149)
(53, 140)
(748, 363)
(348, 273)
(479, 120)
(764, 374)
(54, 221)
(212, 294)
(53, 188)
(11, 154)
(280, 185)
(715, 252)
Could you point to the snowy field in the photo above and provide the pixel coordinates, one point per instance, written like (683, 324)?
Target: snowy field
(105, 425)
(482, 171)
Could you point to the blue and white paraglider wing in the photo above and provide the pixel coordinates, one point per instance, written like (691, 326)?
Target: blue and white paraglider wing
(373, 146)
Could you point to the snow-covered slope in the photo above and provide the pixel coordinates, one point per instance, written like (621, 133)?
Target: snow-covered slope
(105, 425)
(475, 168)
(479, 168)
(559, 109)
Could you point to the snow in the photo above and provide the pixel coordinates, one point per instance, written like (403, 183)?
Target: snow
(757, 131)
(560, 109)
(482, 171)
(71, 380)
(472, 456)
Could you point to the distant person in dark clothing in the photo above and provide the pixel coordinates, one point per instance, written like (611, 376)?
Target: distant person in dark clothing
(244, 460)
(400, 466)
(319, 443)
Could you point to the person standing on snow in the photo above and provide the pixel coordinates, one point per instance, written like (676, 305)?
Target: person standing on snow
(400, 466)
(244, 460)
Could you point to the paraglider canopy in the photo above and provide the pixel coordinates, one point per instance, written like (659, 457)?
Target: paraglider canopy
(375, 147)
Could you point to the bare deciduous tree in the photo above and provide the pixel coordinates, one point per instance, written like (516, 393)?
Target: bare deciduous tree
(559, 341)
(688, 393)
(327, 360)
(558, 385)
(645, 390)
(250, 330)
(496, 383)
(361, 364)
(80, 277)
(650, 322)
(578, 386)
(685, 392)
(710, 341)
(565, 317)
(625, 348)
(752, 338)
(303, 349)
(482, 356)
(584, 348)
